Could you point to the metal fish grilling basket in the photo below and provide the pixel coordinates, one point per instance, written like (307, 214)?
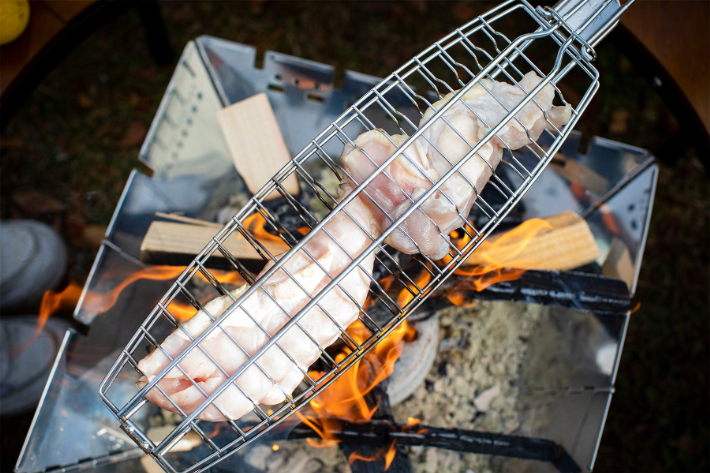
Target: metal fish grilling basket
(556, 44)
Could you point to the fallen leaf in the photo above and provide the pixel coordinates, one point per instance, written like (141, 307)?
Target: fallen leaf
(619, 121)
(35, 203)
(93, 235)
(134, 99)
(134, 136)
(463, 12)
(102, 131)
(84, 100)
(10, 143)
(74, 225)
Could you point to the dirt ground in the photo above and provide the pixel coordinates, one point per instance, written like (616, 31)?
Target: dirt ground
(67, 153)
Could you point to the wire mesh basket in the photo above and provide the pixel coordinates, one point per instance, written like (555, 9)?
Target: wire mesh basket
(493, 47)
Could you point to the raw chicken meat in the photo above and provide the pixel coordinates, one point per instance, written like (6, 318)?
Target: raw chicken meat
(442, 145)
(281, 369)
(241, 326)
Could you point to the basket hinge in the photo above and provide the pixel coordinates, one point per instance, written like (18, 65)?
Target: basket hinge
(588, 21)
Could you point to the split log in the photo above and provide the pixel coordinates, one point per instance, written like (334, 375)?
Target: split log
(183, 219)
(255, 143)
(179, 243)
(565, 243)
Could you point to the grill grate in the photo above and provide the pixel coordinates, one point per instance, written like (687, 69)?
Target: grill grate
(453, 66)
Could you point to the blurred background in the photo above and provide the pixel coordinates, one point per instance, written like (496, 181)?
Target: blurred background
(69, 148)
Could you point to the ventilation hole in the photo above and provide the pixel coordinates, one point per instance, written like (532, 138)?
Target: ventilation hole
(276, 87)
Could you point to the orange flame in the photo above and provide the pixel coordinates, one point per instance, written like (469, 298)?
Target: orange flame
(345, 399)
(389, 456)
(411, 423)
(53, 302)
(98, 303)
(458, 298)
(257, 226)
(501, 257)
(406, 295)
(608, 218)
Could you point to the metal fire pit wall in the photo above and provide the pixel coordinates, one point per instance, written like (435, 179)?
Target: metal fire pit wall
(193, 174)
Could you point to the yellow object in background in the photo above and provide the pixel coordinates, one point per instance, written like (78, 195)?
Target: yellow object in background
(14, 16)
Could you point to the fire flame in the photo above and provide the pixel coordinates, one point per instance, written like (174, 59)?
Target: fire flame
(256, 224)
(501, 257)
(52, 302)
(412, 423)
(406, 295)
(345, 398)
(608, 218)
(98, 303)
(389, 453)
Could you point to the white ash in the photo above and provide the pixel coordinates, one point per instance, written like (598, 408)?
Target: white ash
(475, 381)
(296, 456)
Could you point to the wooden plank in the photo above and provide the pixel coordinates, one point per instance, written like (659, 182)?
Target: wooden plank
(166, 240)
(618, 263)
(183, 219)
(255, 143)
(565, 243)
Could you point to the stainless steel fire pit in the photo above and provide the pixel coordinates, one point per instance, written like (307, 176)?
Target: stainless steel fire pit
(564, 388)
